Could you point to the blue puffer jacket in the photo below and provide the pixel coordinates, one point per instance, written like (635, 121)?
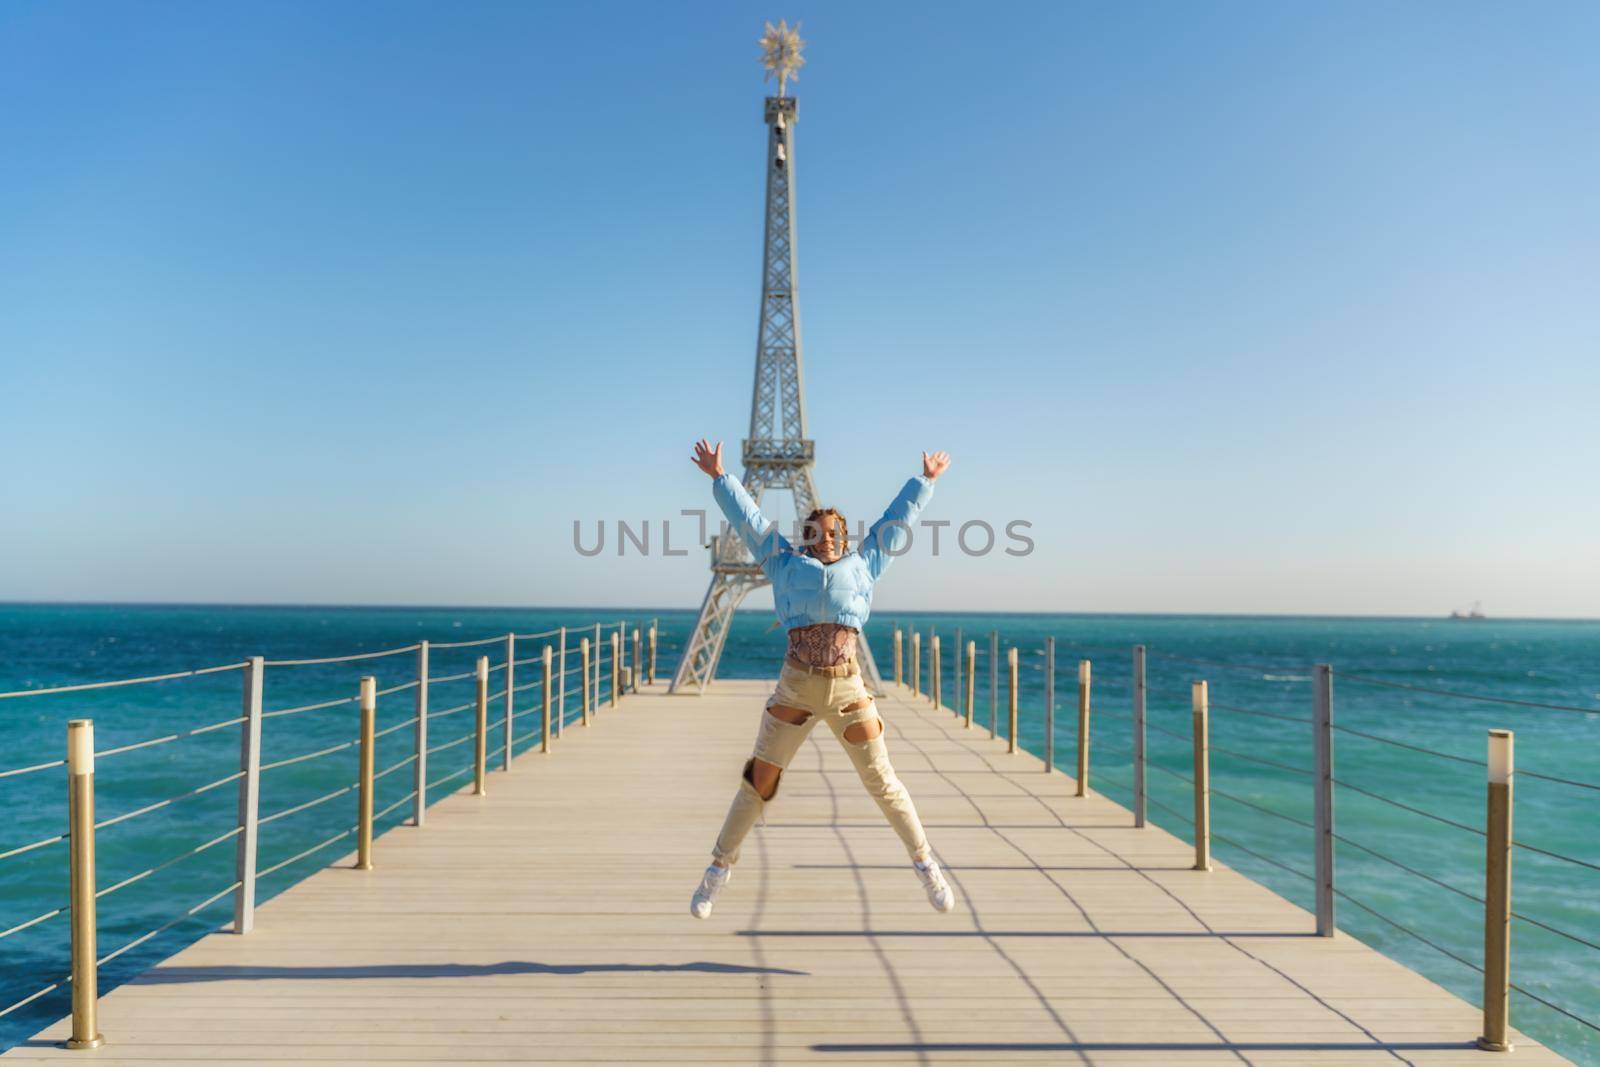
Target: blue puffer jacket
(804, 589)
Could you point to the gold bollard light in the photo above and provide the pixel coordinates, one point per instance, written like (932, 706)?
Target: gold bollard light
(1011, 676)
(1497, 897)
(369, 723)
(1202, 778)
(80, 832)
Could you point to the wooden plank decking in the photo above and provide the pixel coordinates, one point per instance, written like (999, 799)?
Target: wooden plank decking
(548, 922)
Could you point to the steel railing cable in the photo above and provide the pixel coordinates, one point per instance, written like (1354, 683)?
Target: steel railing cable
(399, 803)
(1562, 781)
(341, 659)
(309, 707)
(1264, 810)
(465, 644)
(136, 812)
(448, 777)
(452, 677)
(20, 849)
(163, 865)
(179, 736)
(85, 686)
(396, 688)
(1555, 1007)
(298, 808)
(1253, 667)
(1555, 855)
(164, 927)
(1264, 859)
(1457, 694)
(394, 767)
(1405, 745)
(458, 709)
(35, 921)
(1153, 765)
(30, 998)
(1258, 714)
(1408, 869)
(34, 768)
(1187, 739)
(1407, 807)
(1407, 930)
(330, 750)
(387, 730)
(1257, 759)
(281, 864)
(1170, 811)
(1554, 930)
(463, 739)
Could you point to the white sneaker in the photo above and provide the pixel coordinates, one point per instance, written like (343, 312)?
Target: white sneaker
(711, 884)
(940, 895)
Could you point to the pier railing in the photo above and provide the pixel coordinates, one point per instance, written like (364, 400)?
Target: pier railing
(1302, 840)
(570, 674)
(1170, 733)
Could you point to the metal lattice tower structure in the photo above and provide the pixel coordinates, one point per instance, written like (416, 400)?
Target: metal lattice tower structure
(777, 454)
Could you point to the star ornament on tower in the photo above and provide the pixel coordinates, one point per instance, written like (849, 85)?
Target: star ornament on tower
(780, 47)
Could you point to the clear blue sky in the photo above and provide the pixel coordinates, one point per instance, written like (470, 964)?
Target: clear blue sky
(1245, 306)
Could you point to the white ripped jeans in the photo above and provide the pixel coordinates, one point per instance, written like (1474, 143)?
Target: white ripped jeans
(837, 696)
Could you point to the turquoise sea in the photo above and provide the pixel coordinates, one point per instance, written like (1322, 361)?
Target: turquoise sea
(1417, 750)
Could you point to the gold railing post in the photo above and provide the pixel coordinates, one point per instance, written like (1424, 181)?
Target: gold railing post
(1011, 678)
(1497, 896)
(480, 747)
(916, 663)
(80, 866)
(652, 653)
(583, 654)
(1202, 778)
(972, 663)
(898, 674)
(933, 669)
(1084, 675)
(544, 700)
(369, 729)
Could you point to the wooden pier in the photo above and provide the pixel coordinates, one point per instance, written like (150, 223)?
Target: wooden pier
(547, 922)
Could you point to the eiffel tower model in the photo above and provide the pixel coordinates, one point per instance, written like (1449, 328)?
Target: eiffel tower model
(777, 454)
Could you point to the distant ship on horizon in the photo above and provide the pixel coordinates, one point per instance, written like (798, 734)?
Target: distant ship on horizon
(1475, 613)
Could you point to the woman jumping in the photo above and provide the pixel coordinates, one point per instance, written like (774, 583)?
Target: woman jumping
(823, 595)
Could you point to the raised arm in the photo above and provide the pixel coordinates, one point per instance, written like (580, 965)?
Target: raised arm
(757, 532)
(890, 535)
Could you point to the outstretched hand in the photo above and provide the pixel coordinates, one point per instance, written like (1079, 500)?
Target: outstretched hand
(934, 465)
(709, 459)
